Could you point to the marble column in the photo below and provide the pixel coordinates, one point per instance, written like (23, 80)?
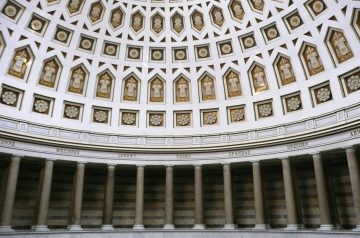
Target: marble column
(169, 198)
(258, 197)
(324, 206)
(139, 206)
(355, 182)
(228, 203)
(199, 217)
(109, 199)
(10, 190)
(41, 224)
(289, 195)
(75, 224)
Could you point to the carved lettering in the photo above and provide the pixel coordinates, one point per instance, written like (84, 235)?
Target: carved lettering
(355, 133)
(67, 151)
(126, 156)
(239, 153)
(297, 146)
(183, 156)
(8, 143)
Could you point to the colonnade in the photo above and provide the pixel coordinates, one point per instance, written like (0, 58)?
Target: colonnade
(260, 221)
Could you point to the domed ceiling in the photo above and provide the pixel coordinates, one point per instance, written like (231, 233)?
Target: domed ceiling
(177, 67)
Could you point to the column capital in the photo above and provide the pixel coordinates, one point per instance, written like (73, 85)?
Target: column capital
(316, 154)
(111, 166)
(197, 165)
(255, 162)
(350, 148)
(226, 163)
(140, 165)
(284, 158)
(169, 165)
(81, 163)
(17, 157)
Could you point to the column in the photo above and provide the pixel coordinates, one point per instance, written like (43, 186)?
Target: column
(258, 197)
(41, 224)
(325, 215)
(289, 195)
(169, 199)
(78, 193)
(229, 216)
(355, 182)
(139, 209)
(8, 202)
(109, 199)
(199, 219)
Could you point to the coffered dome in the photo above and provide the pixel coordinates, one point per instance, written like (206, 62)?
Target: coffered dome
(182, 73)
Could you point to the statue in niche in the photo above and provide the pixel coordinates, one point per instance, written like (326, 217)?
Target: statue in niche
(259, 79)
(157, 24)
(258, 4)
(77, 81)
(74, 5)
(237, 10)
(104, 86)
(137, 22)
(217, 16)
(178, 24)
(313, 61)
(49, 73)
(116, 18)
(198, 22)
(233, 84)
(130, 89)
(341, 46)
(286, 71)
(208, 88)
(18, 65)
(96, 11)
(156, 91)
(182, 90)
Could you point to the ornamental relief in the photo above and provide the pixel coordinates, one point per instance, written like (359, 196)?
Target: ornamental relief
(197, 21)
(21, 63)
(77, 81)
(182, 90)
(74, 6)
(259, 80)
(96, 12)
(257, 4)
(116, 18)
(177, 23)
(340, 46)
(217, 16)
(130, 89)
(312, 60)
(129, 118)
(352, 82)
(50, 73)
(104, 85)
(137, 21)
(157, 90)
(183, 119)
(207, 88)
(285, 70)
(157, 23)
(236, 10)
(232, 84)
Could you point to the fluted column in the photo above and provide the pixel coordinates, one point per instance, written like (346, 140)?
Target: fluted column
(325, 215)
(8, 202)
(258, 197)
(41, 224)
(228, 203)
(289, 195)
(109, 199)
(139, 207)
(199, 218)
(169, 198)
(78, 193)
(355, 182)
